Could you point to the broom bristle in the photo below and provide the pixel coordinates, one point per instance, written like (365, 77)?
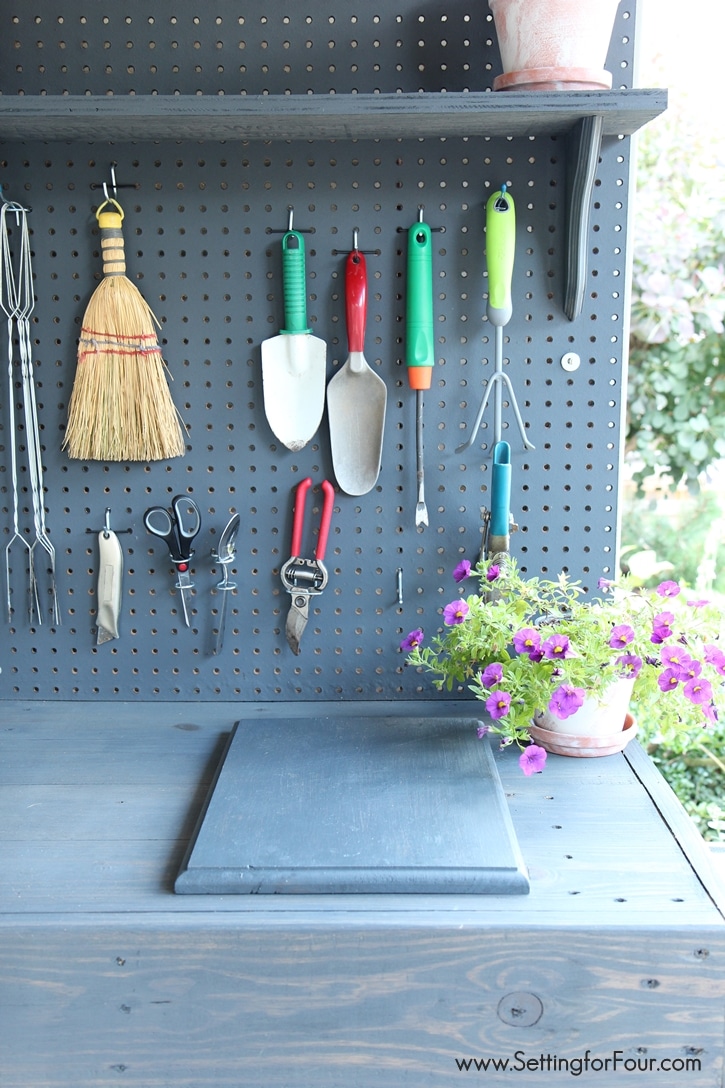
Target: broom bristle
(121, 408)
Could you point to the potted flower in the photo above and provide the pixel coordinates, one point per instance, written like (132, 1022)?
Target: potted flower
(529, 647)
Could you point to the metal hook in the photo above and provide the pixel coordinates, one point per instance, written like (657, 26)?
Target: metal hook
(290, 225)
(355, 246)
(13, 206)
(106, 530)
(115, 185)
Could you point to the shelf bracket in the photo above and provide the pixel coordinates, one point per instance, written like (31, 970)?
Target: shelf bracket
(583, 149)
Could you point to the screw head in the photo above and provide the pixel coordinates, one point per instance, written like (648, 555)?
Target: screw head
(570, 361)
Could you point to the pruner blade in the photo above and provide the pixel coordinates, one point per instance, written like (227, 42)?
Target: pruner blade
(297, 620)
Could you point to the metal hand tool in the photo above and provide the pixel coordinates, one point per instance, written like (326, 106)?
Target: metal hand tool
(419, 347)
(18, 303)
(356, 395)
(500, 245)
(9, 304)
(294, 362)
(224, 555)
(177, 527)
(305, 578)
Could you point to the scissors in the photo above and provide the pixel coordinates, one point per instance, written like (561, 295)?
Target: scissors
(178, 527)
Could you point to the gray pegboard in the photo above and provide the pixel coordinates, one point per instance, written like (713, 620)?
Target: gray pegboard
(199, 247)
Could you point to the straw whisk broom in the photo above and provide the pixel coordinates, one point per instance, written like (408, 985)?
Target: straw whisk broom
(121, 407)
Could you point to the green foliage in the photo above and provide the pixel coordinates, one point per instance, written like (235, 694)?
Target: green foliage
(696, 776)
(686, 534)
(676, 392)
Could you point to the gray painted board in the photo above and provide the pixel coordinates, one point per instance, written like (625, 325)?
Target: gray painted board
(356, 804)
(320, 116)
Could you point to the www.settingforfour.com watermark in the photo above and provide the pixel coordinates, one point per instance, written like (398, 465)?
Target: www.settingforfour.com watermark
(617, 1062)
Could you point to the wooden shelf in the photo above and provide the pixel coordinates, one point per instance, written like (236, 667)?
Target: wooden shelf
(295, 117)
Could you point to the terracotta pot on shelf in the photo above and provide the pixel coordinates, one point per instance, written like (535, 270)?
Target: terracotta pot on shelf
(573, 744)
(595, 729)
(552, 45)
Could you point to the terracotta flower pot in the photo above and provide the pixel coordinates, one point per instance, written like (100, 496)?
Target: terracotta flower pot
(553, 44)
(572, 744)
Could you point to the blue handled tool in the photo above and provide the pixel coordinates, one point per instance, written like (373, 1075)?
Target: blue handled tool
(500, 491)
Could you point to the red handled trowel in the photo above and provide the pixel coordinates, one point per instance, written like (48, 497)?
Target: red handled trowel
(294, 362)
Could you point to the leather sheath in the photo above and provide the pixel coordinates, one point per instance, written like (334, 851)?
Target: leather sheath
(110, 585)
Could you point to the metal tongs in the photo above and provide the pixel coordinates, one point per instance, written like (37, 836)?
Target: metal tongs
(17, 302)
(225, 555)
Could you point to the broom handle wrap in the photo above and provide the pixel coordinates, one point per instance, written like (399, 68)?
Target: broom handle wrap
(112, 249)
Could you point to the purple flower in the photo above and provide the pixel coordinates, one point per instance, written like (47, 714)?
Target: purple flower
(710, 712)
(556, 647)
(455, 613)
(630, 666)
(668, 680)
(412, 640)
(691, 670)
(668, 589)
(698, 690)
(492, 675)
(662, 627)
(565, 701)
(702, 603)
(677, 659)
(498, 704)
(714, 656)
(532, 759)
(621, 636)
(493, 572)
(462, 571)
(527, 641)
(605, 583)
(482, 730)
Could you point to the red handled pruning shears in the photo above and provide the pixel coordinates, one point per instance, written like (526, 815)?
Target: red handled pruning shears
(304, 578)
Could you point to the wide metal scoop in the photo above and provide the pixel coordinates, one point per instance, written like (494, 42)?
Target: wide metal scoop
(224, 555)
(356, 395)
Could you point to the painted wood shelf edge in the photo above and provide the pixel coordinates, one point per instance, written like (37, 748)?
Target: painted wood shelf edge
(682, 827)
(287, 117)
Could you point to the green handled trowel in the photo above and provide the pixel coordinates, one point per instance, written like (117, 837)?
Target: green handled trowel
(294, 362)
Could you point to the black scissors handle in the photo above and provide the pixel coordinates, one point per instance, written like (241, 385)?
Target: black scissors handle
(177, 527)
(188, 522)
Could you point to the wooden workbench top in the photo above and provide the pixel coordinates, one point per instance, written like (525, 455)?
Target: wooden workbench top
(98, 802)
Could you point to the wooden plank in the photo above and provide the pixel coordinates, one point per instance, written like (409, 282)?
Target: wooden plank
(61, 879)
(683, 829)
(294, 117)
(142, 1005)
